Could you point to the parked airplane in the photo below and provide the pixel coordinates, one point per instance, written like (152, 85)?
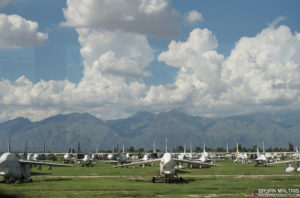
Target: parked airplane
(296, 155)
(261, 159)
(289, 168)
(13, 168)
(183, 155)
(204, 156)
(87, 161)
(264, 158)
(240, 157)
(167, 166)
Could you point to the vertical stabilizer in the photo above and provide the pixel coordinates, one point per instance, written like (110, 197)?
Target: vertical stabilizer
(25, 151)
(8, 147)
(237, 147)
(44, 148)
(97, 149)
(166, 146)
(191, 149)
(227, 149)
(154, 148)
(297, 151)
(123, 149)
(204, 148)
(257, 151)
(263, 147)
(184, 149)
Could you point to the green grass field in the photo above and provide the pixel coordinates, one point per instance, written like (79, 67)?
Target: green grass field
(230, 180)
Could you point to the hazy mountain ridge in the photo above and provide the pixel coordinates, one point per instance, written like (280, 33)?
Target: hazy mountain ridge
(142, 129)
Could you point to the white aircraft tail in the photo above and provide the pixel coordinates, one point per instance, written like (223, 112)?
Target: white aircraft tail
(237, 148)
(263, 147)
(191, 149)
(154, 148)
(204, 148)
(227, 149)
(166, 146)
(257, 151)
(297, 151)
(184, 149)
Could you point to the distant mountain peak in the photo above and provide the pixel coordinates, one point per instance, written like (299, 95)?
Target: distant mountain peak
(18, 120)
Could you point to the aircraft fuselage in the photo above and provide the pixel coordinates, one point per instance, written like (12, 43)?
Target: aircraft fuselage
(11, 169)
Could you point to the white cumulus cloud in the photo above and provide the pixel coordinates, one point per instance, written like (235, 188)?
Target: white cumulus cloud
(16, 31)
(262, 72)
(149, 17)
(264, 69)
(194, 16)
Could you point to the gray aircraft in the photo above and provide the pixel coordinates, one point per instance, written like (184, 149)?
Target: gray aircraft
(14, 168)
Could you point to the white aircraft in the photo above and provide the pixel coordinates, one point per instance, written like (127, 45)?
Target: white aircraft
(204, 156)
(261, 159)
(13, 168)
(117, 157)
(227, 154)
(296, 155)
(289, 168)
(240, 157)
(87, 161)
(167, 166)
(264, 158)
(183, 155)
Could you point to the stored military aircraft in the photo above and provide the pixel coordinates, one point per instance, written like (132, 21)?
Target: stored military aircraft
(167, 166)
(14, 168)
(261, 159)
(240, 157)
(296, 155)
(289, 168)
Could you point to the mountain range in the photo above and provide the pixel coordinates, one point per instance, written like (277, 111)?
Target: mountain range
(61, 132)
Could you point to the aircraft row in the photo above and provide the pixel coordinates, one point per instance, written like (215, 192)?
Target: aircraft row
(14, 167)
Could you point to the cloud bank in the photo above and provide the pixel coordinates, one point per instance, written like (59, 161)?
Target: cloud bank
(16, 32)
(261, 73)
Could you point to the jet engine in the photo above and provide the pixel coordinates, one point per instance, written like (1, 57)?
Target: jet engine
(289, 169)
(298, 167)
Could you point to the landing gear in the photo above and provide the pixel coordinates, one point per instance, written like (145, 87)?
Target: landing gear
(10, 180)
(153, 180)
(161, 179)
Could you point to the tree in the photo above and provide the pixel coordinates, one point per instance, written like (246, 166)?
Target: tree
(131, 149)
(180, 148)
(141, 150)
(220, 149)
(198, 149)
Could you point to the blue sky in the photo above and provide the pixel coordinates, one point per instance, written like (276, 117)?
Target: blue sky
(58, 57)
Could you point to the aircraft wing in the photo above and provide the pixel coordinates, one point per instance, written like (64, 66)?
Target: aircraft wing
(194, 162)
(108, 161)
(43, 163)
(284, 162)
(137, 163)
